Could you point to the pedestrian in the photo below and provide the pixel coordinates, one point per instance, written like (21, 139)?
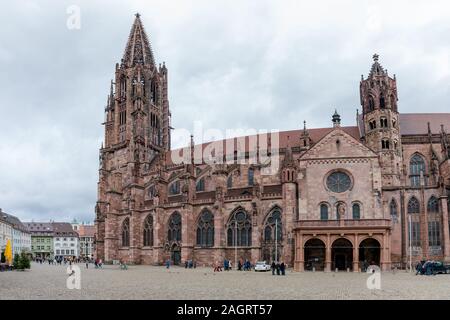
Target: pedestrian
(168, 263)
(283, 269)
(239, 265)
(273, 267)
(195, 264)
(87, 264)
(186, 264)
(278, 268)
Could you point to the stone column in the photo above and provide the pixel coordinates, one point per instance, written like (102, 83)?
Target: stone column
(328, 254)
(300, 252)
(356, 254)
(385, 255)
(445, 228)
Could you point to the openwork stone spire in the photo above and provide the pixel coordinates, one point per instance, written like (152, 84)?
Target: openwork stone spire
(377, 68)
(138, 49)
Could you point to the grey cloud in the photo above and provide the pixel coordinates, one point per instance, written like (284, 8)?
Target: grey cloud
(259, 64)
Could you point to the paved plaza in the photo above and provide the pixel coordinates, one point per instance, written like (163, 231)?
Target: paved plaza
(148, 282)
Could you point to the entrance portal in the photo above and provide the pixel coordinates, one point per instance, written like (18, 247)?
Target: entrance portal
(175, 255)
(342, 254)
(314, 255)
(369, 253)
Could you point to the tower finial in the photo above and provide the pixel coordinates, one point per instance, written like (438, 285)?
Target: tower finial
(376, 57)
(336, 119)
(137, 15)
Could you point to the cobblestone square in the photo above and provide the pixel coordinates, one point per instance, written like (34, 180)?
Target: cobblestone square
(148, 282)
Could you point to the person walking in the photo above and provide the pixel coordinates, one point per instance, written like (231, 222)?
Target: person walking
(283, 269)
(273, 267)
(167, 263)
(278, 269)
(186, 264)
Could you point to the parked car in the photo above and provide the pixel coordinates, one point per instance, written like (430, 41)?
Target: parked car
(440, 267)
(262, 266)
(434, 267)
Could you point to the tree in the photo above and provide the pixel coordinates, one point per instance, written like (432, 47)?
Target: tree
(16, 262)
(3, 258)
(24, 261)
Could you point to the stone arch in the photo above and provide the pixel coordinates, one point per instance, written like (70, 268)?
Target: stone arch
(148, 230)
(369, 252)
(342, 253)
(314, 253)
(239, 228)
(272, 234)
(204, 228)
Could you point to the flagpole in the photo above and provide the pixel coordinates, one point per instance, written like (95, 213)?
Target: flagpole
(410, 244)
(235, 246)
(276, 240)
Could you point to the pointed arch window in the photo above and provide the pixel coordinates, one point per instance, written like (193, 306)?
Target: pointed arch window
(126, 233)
(323, 211)
(148, 231)
(416, 166)
(239, 230)
(200, 186)
(434, 222)
(205, 229)
(174, 227)
(251, 177)
(393, 210)
(174, 188)
(230, 181)
(414, 225)
(382, 102)
(273, 227)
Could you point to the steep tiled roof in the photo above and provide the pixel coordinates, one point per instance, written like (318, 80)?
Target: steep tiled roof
(86, 231)
(13, 220)
(291, 138)
(63, 229)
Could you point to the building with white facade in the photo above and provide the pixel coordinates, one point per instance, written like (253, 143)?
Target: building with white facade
(86, 233)
(65, 240)
(13, 229)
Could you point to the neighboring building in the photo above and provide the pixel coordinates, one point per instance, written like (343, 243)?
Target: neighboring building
(21, 237)
(41, 239)
(86, 235)
(6, 231)
(66, 241)
(342, 196)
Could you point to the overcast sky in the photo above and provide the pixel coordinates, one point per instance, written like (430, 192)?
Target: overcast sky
(232, 64)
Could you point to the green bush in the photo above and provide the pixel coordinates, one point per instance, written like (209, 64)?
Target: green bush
(16, 262)
(3, 258)
(24, 261)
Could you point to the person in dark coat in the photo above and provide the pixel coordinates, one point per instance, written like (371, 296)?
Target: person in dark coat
(273, 267)
(278, 268)
(283, 269)
(186, 264)
(240, 265)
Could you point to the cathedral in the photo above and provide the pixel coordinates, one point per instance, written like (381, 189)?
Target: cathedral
(340, 198)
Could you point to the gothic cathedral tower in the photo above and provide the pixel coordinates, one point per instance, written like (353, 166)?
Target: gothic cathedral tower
(381, 121)
(137, 136)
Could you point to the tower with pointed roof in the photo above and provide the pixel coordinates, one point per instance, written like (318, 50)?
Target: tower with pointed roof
(380, 120)
(137, 111)
(137, 133)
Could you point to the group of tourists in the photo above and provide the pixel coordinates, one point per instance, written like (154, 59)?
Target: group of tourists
(279, 268)
(190, 264)
(425, 268)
